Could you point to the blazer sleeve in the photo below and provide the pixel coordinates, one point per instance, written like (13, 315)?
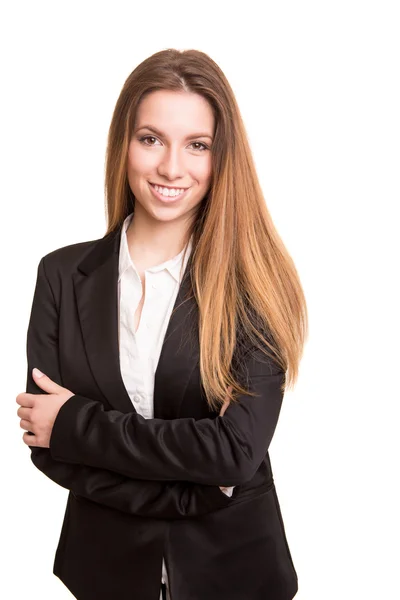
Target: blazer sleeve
(156, 499)
(224, 451)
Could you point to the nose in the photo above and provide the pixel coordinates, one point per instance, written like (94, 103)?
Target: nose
(171, 165)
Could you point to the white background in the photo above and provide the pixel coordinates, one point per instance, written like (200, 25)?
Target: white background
(318, 87)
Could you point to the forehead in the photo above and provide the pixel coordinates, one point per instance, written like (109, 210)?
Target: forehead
(175, 112)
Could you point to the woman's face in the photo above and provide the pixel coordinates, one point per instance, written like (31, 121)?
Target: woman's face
(171, 147)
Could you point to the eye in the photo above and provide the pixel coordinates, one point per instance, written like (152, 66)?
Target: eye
(200, 144)
(144, 139)
(147, 137)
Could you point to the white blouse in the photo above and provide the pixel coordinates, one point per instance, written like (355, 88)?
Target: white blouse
(139, 352)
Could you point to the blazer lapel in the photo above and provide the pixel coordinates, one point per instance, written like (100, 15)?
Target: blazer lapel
(180, 353)
(96, 291)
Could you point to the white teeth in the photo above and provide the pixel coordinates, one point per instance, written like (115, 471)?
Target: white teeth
(169, 192)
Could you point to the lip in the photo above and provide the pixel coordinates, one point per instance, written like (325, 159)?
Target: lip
(170, 187)
(170, 199)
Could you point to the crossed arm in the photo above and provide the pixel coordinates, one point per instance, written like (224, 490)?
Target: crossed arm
(138, 496)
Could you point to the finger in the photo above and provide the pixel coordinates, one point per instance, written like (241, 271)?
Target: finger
(25, 399)
(223, 409)
(30, 440)
(45, 383)
(27, 425)
(227, 402)
(24, 413)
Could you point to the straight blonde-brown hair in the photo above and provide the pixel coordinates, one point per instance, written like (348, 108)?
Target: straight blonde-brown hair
(242, 276)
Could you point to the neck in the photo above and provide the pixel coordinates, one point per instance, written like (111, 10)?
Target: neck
(152, 242)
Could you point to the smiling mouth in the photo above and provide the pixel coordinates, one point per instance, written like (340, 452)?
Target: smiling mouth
(170, 198)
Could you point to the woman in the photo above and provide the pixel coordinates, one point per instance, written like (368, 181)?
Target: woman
(166, 346)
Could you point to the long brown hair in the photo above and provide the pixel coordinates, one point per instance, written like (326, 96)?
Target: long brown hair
(242, 276)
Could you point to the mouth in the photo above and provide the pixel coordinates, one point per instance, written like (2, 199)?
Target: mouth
(167, 199)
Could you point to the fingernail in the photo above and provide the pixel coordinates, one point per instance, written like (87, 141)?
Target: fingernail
(37, 373)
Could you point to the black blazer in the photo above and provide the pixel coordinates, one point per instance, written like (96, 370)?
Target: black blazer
(143, 489)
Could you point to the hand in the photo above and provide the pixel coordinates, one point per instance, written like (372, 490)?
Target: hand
(221, 414)
(39, 411)
(226, 402)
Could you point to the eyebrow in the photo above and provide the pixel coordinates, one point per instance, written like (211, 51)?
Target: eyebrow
(160, 133)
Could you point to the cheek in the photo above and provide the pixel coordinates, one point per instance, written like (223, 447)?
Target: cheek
(203, 172)
(140, 162)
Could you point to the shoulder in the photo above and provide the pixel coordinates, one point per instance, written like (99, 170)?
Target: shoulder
(63, 261)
